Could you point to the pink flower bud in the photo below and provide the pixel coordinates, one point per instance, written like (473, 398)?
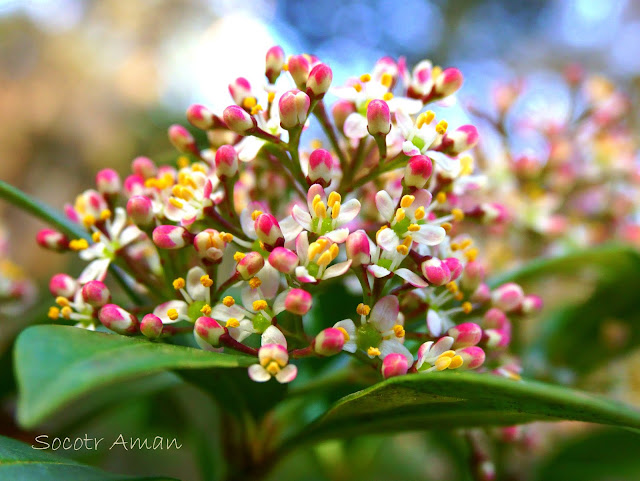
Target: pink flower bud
(208, 330)
(226, 162)
(200, 117)
(209, 245)
(421, 80)
(283, 260)
(494, 318)
(340, 111)
(460, 140)
(436, 271)
(52, 239)
(238, 120)
(96, 293)
(250, 265)
(448, 82)
(319, 81)
(144, 167)
(394, 364)
(151, 326)
(320, 167)
(115, 318)
(134, 185)
(63, 285)
(140, 210)
(378, 118)
(171, 237)
(472, 356)
(418, 171)
(455, 267)
(531, 303)
(108, 182)
(299, 69)
(481, 294)
(240, 89)
(298, 302)
(329, 342)
(358, 248)
(268, 231)
(474, 273)
(274, 63)
(507, 297)
(466, 334)
(496, 338)
(294, 107)
(182, 139)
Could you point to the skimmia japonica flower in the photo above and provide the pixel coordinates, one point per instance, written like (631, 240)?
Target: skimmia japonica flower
(238, 239)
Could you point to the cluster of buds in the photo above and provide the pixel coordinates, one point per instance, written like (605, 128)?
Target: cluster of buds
(578, 185)
(237, 240)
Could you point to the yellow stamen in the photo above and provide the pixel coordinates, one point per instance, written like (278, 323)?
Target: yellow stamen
(398, 331)
(441, 198)
(271, 96)
(66, 312)
(373, 351)
(176, 203)
(238, 256)
(316, 144)
(402, 250)
(228, 301)
(357, 87)
(467, 307)
(344, 333)
(199, 168)
(179, 283)
(226, 237)
(442, 363)
(388, 96)
(324, 259)
(206, 281)
(206, 309)
(249, 102)
(333, 198)
(419, 213)
(452, 287)
(259, 305)
(183, 161)
(320, 210)
(471, 254)
(456, 362)
(315, 200)
(363, 309)
(441, 127)
(407, 241)
(334, 250)
(414, 227)
(457, 214)
(105, 214)
(88, 220)
(233, 322)
(406, 201)
(335, 210)
(78, 244)
(314, 249)
(447, 227)
(54, 312)
(436, 71)
(466, 243)
(172, 314)
(454, 246)
(386, 80)
(256, 109)
(458, 296)
(400, 215)
(254, 283)
(95, 237)
(273, 368)
(365, 77)
(466, 164)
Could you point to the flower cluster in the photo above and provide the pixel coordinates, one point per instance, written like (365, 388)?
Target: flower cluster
(239, 240)
(579, 186)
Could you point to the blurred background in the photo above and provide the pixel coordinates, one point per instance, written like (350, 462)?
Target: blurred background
(87, 84)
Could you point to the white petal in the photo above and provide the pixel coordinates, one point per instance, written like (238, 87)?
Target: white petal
(287, 374)
(273, 335)
(411, 277)
(223, 313)
(443, 345)
(385, 205)
(388, 240)
(180, 306)
(194, 287)
(348, 211)
(338, 236)
(430, 235)
(302, 274)
(244, 330)
(390, 346)
(302, 246)
(434, 323)
(290, 228)
(336, 270)
(404, 122)
(129, 234)
(248, 148)
(378, 271)
(96, 270)
(409, 149)
(278, 304)
(446, 163)
(118, 223)
(258, 373)
(270, 279)
(355, 126)
(301, 217)
(410, 106)
(385, 313)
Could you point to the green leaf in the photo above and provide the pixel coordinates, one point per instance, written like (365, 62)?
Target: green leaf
(454, 400)
(19, 461)
(57, 364)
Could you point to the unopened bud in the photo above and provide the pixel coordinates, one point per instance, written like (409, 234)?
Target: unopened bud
(134, 185)
(329, 342)
(171, 237)
(182, 139)
(394, 364)
(320, 167)
(250, 265)
(494, 318)
(144, 167)
(319, 81)
(52, 239)
(238, 120)
(274, 63)
(418, 171)
(115, 318)
(283, 260)
(294, 107)
(474, 273)
(358, 248)
(299, 67)
(465, 334)
(298, 301)
(208, 330)
(268, 231)
(460, 140)
(108, 182)
(496, 338)
(472, 356)
(240, 90)
(481, 294)
(531, 303)
(200, 117)
(507, 297)
(455, 267)
(140, 210)
(378, 118)
(448, 82)
(96, 293)
(226, 162)
(209, 245)
(436, 271)
(340, 111)
(151, 326)
(63, 285)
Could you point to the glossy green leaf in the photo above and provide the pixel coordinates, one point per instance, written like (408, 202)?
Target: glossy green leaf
(57, 364)
(19, 461)
(453, 400)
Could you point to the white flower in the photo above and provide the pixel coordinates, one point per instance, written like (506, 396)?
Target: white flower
(191, 195)
(274, 358)
(315, 258)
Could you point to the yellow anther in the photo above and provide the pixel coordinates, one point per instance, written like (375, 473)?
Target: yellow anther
(363, 309)
(254, 283)
(262, 245)
(206, 281)
(398, 330)
(183, 161)
(441, 198)
(105, 214)
(441, 127)
(406, 201)
(315, 200)
(452, 287)
(429, 115)
(466, 243)
(316, 144)
(456, 362)
(66, 312)
(333, 198)
(402, 250)
(454, 246)
(206, 309)
(320, 210)
(225, 236)
(400, 215)
(88, 220)
(95, 237)
(436, 71)
(285, 67)
(199, 167)
(373, 351)
(386, 80)
(238, 256)
(442, 363)
(273, 368)
(388, 96)
(176, 203)
(172, 314)
(233, 322)
(54, 312)
(450, 353)
(259, 305)
(414, 227)
(447, 227)
(419, 213)
(344, 333)
(78, 244)
(457, 214)
(466, 164)
(334, 250)
(179, 283)
(467, 307)
(271, 96)
(458, 296)
(313, 250)
(249, 102)
(357, 87)
(471, 254)
(255, 109)
(335, 210)
(228, 301)
(324, 259)
(407, 241)
(365, 77)
(425, 118)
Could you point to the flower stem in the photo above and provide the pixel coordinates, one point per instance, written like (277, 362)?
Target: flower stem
(320, 112)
